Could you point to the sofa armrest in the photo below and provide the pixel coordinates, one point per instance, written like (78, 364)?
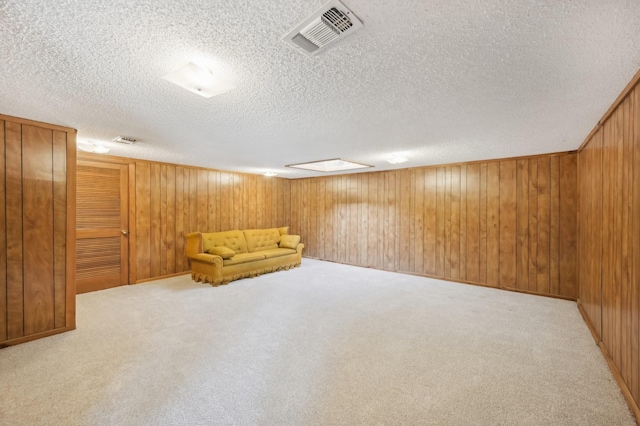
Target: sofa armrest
(193, 245)
(208, 258)
(299, 248)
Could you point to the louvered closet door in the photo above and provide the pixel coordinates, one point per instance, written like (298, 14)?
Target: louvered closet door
(102, 226)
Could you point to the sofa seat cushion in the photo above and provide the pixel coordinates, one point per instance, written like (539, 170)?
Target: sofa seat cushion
(261, 239)
(231, 239)
(243, 258)
(277, 252)
(222, 251)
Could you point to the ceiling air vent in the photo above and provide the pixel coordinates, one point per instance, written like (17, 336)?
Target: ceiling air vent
(330, 23)
(125, 139)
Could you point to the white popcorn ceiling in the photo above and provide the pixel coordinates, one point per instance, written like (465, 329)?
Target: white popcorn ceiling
(440, 81)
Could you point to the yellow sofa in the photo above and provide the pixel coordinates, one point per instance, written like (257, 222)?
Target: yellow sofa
(222, 257)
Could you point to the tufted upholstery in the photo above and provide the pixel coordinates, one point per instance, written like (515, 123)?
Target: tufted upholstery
(262, 239)
(232, 239)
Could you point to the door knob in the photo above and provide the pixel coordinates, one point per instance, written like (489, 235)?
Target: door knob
(124, 232)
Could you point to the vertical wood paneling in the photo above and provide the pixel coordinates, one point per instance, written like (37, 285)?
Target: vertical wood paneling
(172, 201)
(143, 220)
(454, 248)
(470, 222)
(522, 224)
(533, 223)
(473, 223)
(3, 240)
(440, 191)
(155, 225)
(13, 170)
(59, 226)
(482, 278)
(554, 227)
(544, 222)
(508, 224)
(181, 261)
(38, 236)
(493, 224)
(430, 221)
(37, 230)
(608, 245)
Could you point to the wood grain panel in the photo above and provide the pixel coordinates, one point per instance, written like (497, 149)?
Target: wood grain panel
(544, 224)
(473, 223)
(38, 236)
(3, 240)
(60, 226)
(508, 224)
(172, 201)
(493, 224)
(609, 239)
(13, 206)
(522, 224)
(466, 222)
(37, 169)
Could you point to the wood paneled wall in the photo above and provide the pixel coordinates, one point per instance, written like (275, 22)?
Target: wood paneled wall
(508, 223)
(37, 230)
(609, 240)
(172, 200)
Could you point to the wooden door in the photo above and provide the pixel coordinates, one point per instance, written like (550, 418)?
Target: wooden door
(102, 226)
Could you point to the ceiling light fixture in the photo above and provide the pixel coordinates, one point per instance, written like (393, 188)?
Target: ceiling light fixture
(397, 159)
(199, 80)
(333, 165)
(96, 148)
(270, 174)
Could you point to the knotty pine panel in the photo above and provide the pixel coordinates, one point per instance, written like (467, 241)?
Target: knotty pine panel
(492, 223)
(173, 200)
(609, 240)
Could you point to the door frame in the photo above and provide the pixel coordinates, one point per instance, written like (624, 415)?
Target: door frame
(130, 162)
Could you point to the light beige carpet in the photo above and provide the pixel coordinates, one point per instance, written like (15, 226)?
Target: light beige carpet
(324, 344)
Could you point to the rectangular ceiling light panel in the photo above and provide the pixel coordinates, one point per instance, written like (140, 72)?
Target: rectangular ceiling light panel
(330, 23)
(199, 80)
(333, 165)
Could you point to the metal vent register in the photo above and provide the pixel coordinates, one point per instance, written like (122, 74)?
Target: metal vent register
(330, 23)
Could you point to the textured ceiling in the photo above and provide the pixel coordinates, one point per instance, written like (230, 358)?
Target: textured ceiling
(441, 81)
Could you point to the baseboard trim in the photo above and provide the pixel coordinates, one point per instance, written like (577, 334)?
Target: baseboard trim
(633, 405)
(36, 336)
(177, 274)
(587, 321)
(516, 290)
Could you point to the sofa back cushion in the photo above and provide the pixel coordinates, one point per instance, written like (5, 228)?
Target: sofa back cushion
(231, 239)
(262, 239)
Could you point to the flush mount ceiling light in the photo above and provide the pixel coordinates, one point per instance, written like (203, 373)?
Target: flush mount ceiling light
(199, 80)
(270, 174)
(94, 147)
(333, 165)
(397, 159)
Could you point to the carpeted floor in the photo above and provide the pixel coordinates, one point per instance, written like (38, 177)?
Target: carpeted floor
(324, 344)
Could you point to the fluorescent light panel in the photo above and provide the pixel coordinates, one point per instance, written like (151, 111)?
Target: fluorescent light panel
(199, 80)
(333, 165)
